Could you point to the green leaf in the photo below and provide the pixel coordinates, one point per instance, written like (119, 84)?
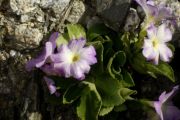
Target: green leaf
(142, 34)
(126, 42)
(163, 69)
(97, 30)
(120, 108)
(127, 80)
(147, 102)
(139, 63)
(75, 31)
(125, 93)
(74, 92)
(105, 110)
(90, 103)
(114, 64)
(109, 90)
(62, 39)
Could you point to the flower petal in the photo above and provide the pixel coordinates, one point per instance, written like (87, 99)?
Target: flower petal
(167, 97)
(49, 70)
(64, 55)
(157, 106)
(152, 11)
(84, 66)
(40, 61)
(156, 59)
(148, 50)
(76, 45)
(164, 34)
(151, 31)
(77, 72)
(165, 53)
(50, 84)
(47, 52)
(171, 112)
(63, 69)
(53, 39)
(151, 2)
(149, 53)
(89, 54)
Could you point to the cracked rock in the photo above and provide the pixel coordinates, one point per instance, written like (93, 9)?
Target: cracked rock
(22, 6)
(27, 36)
(77, 11)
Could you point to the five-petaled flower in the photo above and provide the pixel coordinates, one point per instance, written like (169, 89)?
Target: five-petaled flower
(74, 59)
(165, 108)
(155, 13)
(155, 45)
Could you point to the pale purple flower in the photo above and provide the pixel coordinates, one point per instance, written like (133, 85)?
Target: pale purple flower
(155, 45)
(51, 86)
(43, 57)
(155, 13)
(165, 108)
(74, 60)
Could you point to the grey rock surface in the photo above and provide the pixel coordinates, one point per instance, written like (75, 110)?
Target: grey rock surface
(22, 6)
(132, 20)
(109, 10)
(77, 11)
(24, 27)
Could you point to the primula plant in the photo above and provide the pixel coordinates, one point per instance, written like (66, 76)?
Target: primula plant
(92, 69)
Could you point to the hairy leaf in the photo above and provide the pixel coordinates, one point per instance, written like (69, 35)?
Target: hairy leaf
(75, 31)
(105, 110)
(90, 103)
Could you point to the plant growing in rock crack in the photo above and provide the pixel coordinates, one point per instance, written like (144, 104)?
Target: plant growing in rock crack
(92, 69)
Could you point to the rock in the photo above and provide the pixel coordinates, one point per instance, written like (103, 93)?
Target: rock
(35, 116)
(12, 53)
(113, 12)
(27, 36)
(77, 11)
(46, 3)
(1, 2)
(24, 18)
(23, 26)
(3, 55)
(132, 20)
(59, 6)
(22, 6)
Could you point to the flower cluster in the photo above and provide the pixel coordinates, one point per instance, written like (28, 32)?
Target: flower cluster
(108, 87)
(155, 47)
(67, 60)
(158, 34)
